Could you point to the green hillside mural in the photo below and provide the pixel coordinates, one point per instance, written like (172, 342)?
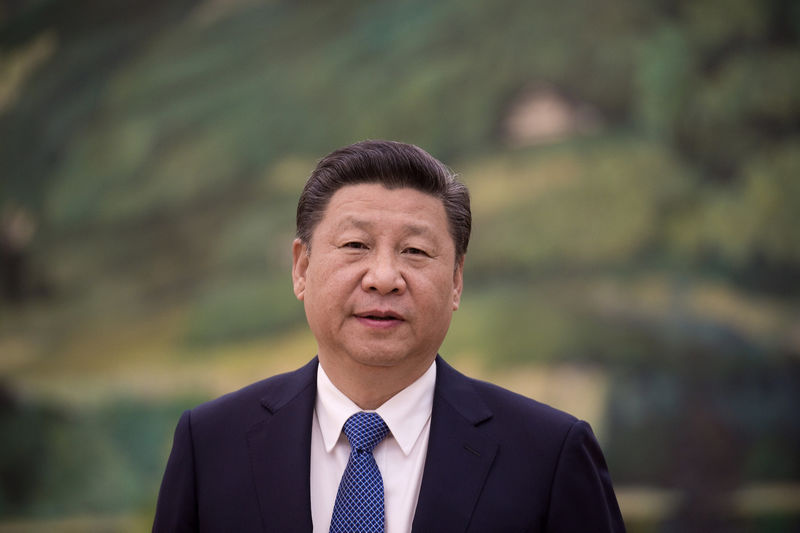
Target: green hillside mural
(635, 176)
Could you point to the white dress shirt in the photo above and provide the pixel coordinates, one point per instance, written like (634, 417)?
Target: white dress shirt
(400, 456)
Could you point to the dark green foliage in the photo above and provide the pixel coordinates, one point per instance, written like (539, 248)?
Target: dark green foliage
(57, 460)
(24, 442)
(738, 416)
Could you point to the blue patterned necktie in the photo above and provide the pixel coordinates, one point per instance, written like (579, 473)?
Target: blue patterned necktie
(359, 501)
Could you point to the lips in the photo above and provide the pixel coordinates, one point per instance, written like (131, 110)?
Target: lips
(380, 315)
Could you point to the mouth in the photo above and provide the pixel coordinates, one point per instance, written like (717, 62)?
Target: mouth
(380, 316)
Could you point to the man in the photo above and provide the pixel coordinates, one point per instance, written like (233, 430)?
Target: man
(378, 432)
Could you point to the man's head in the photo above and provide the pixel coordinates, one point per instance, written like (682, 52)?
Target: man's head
(389, 226)
(391, 164)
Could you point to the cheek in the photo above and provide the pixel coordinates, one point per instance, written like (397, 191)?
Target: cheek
(440, 295)
(329, 288)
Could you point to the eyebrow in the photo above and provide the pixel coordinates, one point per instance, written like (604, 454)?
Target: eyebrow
(413, 229)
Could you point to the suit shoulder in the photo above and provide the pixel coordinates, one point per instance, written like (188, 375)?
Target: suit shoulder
(247, 404)
(532, 428)
(479, 401)
(501, 400)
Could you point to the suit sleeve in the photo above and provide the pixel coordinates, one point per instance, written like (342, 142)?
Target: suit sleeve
(582, 498)
(176, 510)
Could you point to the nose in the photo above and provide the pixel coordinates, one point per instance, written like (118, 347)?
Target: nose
(383, 275)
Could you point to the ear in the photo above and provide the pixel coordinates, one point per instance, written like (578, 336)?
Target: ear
(299, 268)
(458, 283)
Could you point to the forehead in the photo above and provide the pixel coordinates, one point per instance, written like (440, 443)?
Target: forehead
(365, 204)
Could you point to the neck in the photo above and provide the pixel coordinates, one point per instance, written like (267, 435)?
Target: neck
(368, 386)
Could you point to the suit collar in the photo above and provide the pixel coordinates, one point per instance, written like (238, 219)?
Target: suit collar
(456, 388)
(460, 455)
(280, 448)
(286, 387)
(406, 413)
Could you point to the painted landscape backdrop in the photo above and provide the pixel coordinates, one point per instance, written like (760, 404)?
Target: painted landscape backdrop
(635, 173)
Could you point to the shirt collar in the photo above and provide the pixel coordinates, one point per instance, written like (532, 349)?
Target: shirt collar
(406, 413)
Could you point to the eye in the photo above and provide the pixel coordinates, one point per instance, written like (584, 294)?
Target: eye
(415, 251)
(355, 245)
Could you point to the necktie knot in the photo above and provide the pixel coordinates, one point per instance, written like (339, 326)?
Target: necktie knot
(365, 431)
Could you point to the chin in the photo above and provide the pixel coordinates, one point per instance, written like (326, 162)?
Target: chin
(385, 358)
(381, 359)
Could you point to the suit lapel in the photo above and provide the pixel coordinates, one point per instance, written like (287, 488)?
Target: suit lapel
(280, 451)
(459, 457)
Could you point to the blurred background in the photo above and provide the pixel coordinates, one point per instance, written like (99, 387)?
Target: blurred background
(635, 172)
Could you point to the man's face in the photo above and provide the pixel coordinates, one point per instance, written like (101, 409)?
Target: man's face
(380, 283)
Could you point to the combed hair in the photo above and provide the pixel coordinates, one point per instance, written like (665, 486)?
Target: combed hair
(394, 165)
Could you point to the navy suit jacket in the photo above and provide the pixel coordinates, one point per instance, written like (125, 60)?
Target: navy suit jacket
(496, 461)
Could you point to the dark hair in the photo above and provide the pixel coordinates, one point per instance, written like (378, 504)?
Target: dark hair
(394, 165)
